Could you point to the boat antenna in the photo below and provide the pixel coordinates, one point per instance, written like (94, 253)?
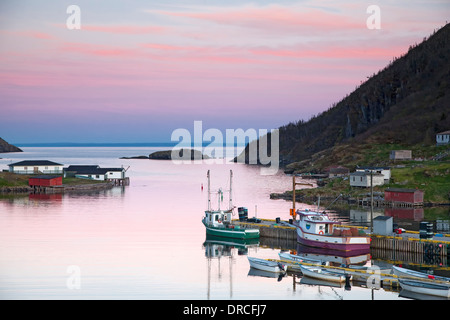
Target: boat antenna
(231, 195)
(209, 193)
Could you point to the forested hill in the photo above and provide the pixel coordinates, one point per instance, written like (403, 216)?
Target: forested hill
(406, 104)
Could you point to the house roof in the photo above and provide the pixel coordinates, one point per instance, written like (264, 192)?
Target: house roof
(32, 163)
(45, 177)
(99, 170)
(364, 173)
(402, 190)
(445, 132)
(77, 168)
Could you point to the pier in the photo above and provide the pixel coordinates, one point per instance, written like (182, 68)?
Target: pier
(407, 247)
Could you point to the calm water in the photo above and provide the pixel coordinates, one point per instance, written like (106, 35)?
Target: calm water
(143, 241)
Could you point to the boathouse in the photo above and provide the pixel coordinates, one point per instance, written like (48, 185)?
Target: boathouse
(72, 170)
(36, 167)
(401, 195)
(45, 181)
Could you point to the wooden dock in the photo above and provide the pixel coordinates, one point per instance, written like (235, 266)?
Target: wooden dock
(372, 277)
(407, 247)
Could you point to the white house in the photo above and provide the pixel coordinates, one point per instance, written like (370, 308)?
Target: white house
(443, 138)
(385, 171)
(36, 167)
(102, 174)
(362, 179)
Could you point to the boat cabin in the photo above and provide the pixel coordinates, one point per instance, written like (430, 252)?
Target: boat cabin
(218, 218)
(315, 222)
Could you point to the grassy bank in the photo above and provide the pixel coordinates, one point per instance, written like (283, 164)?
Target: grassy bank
(9, 179)
(433, 177)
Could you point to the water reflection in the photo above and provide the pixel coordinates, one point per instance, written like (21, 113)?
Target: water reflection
(217, 248)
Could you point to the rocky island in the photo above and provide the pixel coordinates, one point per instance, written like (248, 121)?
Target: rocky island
(167, 155)
(6, 147)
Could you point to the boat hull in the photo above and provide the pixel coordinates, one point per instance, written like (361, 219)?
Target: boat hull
(425, 288)
(265, 265)
(321, 274)
(354, 244)
(403, 272)
(231, 233)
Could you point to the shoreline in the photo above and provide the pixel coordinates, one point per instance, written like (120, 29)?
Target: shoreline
(67, 188)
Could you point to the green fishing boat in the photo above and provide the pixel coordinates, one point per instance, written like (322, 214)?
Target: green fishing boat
(218, 222)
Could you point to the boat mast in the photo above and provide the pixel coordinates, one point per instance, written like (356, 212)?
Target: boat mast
(209, 192)
(231, 194)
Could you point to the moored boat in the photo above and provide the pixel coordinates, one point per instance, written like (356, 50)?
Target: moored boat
(218, 222)
(323, 274)
(315, 229)
(425, 287)
(293, 257)
(403, 272)
(267, 265)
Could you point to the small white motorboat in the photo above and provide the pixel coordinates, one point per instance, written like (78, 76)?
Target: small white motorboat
(292, 257)
(425, 287)
(403, 272)
(323, 274)
(267, 265)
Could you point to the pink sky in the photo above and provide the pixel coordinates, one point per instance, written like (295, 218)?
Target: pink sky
(153, 67)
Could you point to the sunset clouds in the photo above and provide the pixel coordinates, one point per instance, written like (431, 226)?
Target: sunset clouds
(163, 65)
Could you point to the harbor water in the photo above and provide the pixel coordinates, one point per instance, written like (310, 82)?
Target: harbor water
(145, 240)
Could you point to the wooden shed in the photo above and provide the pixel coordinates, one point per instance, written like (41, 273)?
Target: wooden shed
(45, 181)
(412, 196)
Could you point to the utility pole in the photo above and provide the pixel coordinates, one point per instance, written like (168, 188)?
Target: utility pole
(294, 184)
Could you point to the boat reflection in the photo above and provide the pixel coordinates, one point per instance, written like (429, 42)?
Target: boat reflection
(216, 247)
(334, 257)
(219, 247)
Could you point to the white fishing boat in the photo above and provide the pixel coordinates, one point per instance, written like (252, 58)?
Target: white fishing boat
(267, 265)
(403, 272)
(292, 257)
(316, 229)
(218, 222)
(426, 287)
(323, 274)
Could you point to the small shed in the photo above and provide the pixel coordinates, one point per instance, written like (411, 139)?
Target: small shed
(337, 171)
(383, 225)
(412, 196)
(400, 155)
(45, 181)
(363, 179)
(443, 138)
